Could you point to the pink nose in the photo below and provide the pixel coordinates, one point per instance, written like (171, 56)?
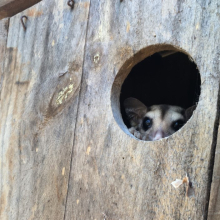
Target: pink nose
(158, 135)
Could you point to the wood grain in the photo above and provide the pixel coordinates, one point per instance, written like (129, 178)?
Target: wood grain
(3, 43)
(39, 101)
(214, 203)
(9, 8)
(113, 175)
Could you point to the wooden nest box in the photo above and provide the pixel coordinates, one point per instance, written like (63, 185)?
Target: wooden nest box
(65, 69)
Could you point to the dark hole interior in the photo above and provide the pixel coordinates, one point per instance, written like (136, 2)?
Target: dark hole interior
(162, 78)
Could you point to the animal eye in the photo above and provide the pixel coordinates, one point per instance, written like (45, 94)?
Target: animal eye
(147, 123)
(177, 125)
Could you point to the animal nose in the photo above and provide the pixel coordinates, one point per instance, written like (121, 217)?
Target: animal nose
(158, 135)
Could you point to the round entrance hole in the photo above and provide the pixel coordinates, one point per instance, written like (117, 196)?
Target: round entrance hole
(155, 92)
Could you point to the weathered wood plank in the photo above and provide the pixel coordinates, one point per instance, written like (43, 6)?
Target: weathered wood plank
(9, 8)
(114, 176)
(214, 203)
(39, 102)
(3, 42)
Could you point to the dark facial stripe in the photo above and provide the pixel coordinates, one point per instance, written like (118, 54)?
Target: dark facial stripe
(164, 109)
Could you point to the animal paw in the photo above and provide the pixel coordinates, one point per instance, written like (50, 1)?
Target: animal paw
(136, 133)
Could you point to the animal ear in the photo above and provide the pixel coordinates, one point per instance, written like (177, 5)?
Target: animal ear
(189, 112)
(135, 110)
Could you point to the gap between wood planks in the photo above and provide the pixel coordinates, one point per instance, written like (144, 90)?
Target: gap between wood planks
(71, 156)
(212, 157)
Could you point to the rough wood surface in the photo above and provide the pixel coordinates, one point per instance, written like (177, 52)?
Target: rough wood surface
(38, 108)
(9, 8)
(3, 42)
(214, 203)
(114, 176)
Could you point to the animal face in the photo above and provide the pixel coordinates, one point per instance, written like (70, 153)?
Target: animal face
(155, 122)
